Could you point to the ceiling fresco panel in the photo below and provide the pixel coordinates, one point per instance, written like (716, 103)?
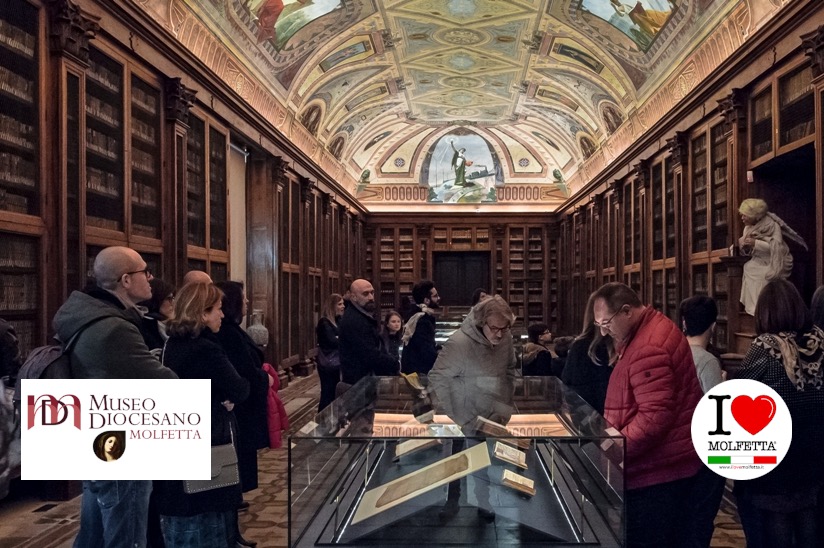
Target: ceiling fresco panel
(524, 86)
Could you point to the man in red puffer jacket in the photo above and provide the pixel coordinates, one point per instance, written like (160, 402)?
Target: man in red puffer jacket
(651, 396)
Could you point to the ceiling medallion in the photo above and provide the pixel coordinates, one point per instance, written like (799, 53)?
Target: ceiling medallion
(464, 112)
(461, 37)
(462, 82)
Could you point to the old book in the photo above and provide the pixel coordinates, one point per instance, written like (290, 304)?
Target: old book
(413, 446)
(510, 454)
(500, 431)
(518, 482)
(411, 483)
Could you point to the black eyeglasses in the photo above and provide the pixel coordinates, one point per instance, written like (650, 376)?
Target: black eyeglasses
(145, 271)
(606, 323)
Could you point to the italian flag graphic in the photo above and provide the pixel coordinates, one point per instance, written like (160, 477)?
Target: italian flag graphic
(753, 459)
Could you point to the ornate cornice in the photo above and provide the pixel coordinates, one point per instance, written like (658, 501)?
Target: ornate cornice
(680, 148)
(71, 29)
(179, 99)
(734, 110)
(306, 186)
(617, 189)
(325, 204)
(641, 172)
(813, 44)
(342, 211)
(279, 168)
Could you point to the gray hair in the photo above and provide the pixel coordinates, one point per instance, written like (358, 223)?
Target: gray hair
(493, 306)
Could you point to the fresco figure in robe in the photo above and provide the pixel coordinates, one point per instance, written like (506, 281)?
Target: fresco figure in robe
(459, 164)
(267, 17)
(648, 20)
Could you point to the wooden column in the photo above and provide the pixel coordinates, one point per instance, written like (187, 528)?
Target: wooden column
(813, 44)
(178, 100)
(679, 147)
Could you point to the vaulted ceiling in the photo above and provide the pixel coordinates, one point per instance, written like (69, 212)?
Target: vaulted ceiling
(531, 90)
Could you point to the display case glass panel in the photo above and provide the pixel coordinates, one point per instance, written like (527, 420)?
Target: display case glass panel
(196, 181)
(796, 106)
(698, 162)
(761, 130)
(366, 472)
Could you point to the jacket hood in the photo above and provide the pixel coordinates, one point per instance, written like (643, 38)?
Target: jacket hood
(81, 309)
(470, 328)
(531, 351)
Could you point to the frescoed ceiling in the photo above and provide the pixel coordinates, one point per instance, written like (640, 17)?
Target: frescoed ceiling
(470, 100)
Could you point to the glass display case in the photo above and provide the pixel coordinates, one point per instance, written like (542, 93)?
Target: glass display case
(374, 467)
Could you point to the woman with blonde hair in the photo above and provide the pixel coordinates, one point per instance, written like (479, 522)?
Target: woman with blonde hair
(207, 519)
(328, 356)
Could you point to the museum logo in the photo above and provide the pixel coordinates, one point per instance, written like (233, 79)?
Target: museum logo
(52, 411)
(741, 429)
(166, 425)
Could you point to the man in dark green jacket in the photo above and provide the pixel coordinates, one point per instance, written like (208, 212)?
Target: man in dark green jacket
(113, 513)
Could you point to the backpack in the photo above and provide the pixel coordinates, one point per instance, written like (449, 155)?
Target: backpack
(48, 362)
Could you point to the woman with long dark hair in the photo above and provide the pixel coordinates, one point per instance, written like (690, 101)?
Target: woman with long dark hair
(782, 508)
(328, 357)
(248, 361)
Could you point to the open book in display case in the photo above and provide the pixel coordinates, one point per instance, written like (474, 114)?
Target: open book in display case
(366, 472)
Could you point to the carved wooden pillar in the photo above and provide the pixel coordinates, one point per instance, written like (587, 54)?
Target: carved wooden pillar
(70, 30)
(679, 147)
(178, 101)
(813, 44)
(641, 173)
(423, 253)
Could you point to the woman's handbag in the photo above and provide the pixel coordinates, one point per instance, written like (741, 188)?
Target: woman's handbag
(224, 464)
(224, 470)
(328, 360)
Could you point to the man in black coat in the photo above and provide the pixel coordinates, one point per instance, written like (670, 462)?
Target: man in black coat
(360, 346)
(419, 348)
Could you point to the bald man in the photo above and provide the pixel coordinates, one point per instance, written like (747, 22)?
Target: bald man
(361, 352)
(110, 346)
(196, 277)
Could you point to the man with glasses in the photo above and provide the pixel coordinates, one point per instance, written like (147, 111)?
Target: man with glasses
(650, 399)
(110, 346)
(474, 376)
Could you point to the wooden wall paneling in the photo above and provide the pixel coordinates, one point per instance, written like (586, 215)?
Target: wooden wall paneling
(813, 47)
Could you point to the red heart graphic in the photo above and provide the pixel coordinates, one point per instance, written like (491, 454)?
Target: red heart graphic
(753, 414)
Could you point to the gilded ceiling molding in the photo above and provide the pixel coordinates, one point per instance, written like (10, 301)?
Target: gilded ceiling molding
(813, 44)
(71, 28)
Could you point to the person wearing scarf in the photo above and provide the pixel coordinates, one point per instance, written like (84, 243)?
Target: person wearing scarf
(783, 508)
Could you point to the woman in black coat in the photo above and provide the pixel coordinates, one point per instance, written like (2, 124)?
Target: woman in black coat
(207, 519)
(248, 361)
(328, 351)
(589, 362)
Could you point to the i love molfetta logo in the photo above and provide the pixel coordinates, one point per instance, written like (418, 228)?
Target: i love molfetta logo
(741, 429)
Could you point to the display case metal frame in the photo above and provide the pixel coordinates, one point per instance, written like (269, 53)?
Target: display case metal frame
(574, 458)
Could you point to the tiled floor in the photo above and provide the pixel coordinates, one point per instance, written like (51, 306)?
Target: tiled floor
(27, 521)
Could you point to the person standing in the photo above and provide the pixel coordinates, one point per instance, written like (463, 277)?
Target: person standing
(536, 359)
(247, 358)
(784, 507)
(419, 347)
(392, 333)
(589, 363)
(698, 315)
(474, 376)
(650, 399)
(110, 346)
(360, 343)
(328, 349)
(193, 351)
